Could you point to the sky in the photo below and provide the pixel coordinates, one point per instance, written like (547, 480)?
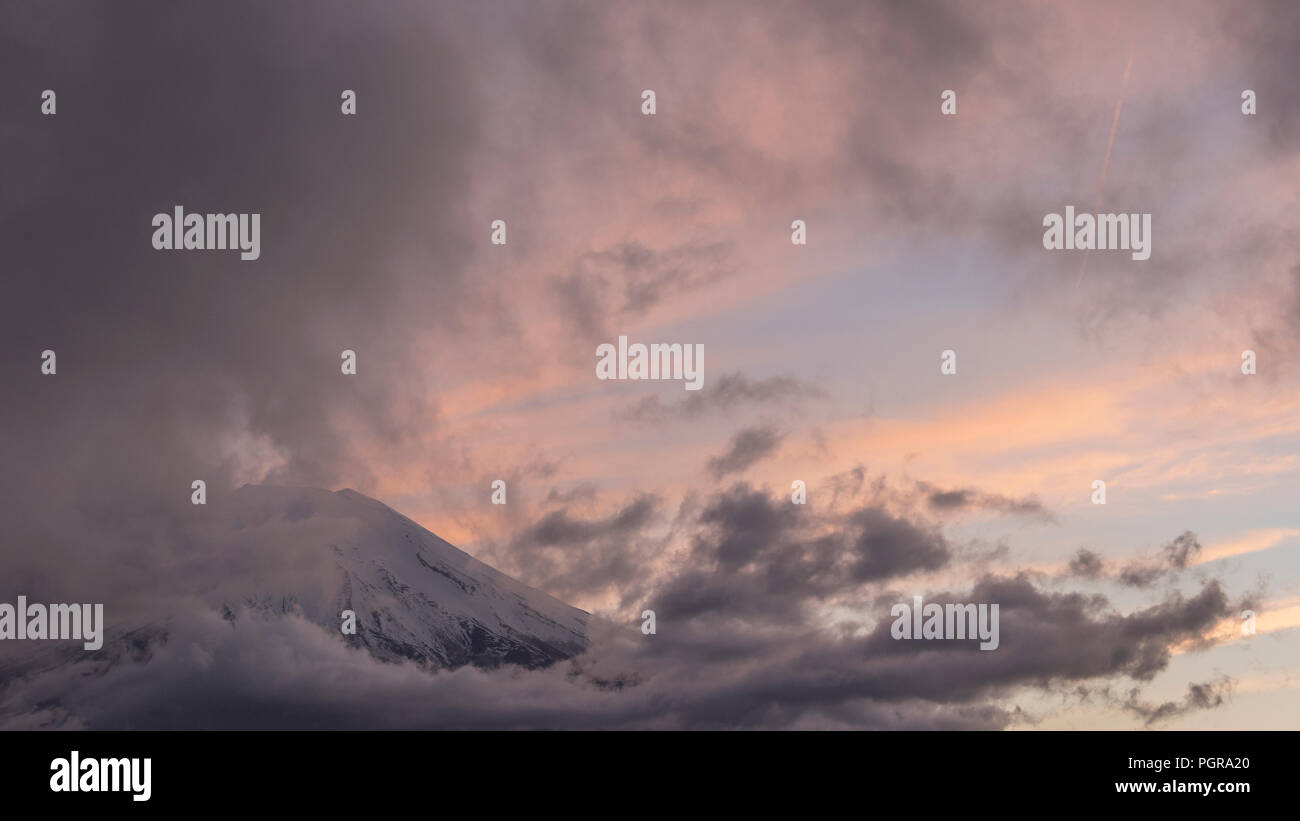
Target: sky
(476, 361)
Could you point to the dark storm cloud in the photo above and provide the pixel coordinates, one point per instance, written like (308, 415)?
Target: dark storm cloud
(686, 676)
(174, 366)
(1056, 637)
(746, 448)
(750, 552)
(558, 528)
(570, 555)
(759, 567)
(888, 546)
(739, 643)
(756, 556)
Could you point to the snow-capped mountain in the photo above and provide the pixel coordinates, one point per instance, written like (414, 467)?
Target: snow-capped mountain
(265, 552)
(415, 596)
(239, 617)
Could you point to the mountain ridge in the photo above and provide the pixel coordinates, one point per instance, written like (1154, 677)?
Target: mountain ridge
(271, 551)
(415, 595)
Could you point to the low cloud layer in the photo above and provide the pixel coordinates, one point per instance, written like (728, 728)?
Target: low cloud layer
(741, 639)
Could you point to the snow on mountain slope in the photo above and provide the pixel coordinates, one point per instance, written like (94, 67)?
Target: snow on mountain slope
(277, 564)
(415, 595)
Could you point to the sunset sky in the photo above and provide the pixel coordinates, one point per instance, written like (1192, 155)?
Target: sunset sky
(476, 361)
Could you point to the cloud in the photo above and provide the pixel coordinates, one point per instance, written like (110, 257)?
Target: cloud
(974, 499)
(181, 366)
(584, 492)
(1174, 557)
(747, 448)
(570, 555)
(631, 278)
(1202, 696)
(1086, 564)
(175, 367)
(1142, 572)
(726, 393)
(287, 673)
(777, 556)
(741, 639)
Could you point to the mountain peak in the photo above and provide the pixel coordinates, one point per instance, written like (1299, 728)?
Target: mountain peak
(415, 596)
